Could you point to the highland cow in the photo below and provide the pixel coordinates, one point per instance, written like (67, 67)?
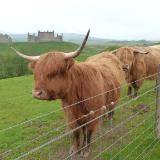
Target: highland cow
(58, 76)
(139, 63)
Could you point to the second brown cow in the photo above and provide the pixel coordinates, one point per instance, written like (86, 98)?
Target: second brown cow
(139, 63)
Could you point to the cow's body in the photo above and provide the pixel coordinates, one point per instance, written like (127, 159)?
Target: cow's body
(83, 87)
(111, 70)
(142, 64)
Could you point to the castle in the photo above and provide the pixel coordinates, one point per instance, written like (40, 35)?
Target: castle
(4, 38)
(44, 37)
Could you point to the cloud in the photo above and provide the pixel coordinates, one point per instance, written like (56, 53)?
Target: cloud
(123, 19)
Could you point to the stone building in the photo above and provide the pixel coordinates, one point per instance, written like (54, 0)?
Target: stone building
(4, 38)
(44, 37)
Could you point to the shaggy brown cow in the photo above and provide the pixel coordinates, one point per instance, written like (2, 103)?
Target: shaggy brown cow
(138, 63)
(58, 76)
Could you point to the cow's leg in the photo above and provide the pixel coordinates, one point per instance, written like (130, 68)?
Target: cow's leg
(84, 137)
(136, 88)
(76, 143)
(110, 115)
(136, 91)
(87, 132)
(130, 91)
(111, 112)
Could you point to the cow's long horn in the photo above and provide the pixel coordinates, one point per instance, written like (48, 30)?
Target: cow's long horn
(30, 58)
(79, 50)
(140, 51)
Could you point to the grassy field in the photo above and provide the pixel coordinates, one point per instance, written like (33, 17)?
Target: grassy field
(18, 134)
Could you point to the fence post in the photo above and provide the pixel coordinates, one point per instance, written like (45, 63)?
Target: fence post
(158, 104)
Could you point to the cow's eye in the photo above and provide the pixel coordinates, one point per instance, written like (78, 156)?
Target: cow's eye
(51, 75)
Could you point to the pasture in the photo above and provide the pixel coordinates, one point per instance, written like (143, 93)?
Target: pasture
(26, 123)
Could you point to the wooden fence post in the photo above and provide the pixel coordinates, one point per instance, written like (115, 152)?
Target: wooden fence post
(158, 104)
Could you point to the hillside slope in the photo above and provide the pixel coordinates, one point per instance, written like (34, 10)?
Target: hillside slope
(11, 65)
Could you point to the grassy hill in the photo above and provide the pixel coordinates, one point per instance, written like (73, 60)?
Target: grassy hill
(11, 65)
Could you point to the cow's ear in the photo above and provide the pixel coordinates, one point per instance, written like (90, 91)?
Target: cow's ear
(136, 51)
(32, 65)
(69, 63)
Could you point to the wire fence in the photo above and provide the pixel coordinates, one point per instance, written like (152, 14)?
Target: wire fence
(129, 135)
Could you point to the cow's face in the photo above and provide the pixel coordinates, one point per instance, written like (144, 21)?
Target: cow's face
(51, 76)
(51, 72)
(127, 56)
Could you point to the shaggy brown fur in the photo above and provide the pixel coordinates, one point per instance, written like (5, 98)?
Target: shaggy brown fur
(70, 81)
(111, 68)
(141, 65)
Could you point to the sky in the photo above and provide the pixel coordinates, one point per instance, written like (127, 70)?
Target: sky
(111, 19)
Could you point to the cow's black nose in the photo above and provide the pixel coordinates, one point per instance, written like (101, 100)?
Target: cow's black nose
(125, 67)
(36, 93)
(39, 93)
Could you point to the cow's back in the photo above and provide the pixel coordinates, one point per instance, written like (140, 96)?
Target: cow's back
(112, 73)
(151, 62)
(152, 59)
(110, 62)
(145, 65)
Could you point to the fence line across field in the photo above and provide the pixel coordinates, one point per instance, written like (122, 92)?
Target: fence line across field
(55, 129)
(83, 125)
(66, 107)
(120, 124)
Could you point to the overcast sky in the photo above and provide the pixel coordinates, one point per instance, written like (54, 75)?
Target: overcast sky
(117, 19)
